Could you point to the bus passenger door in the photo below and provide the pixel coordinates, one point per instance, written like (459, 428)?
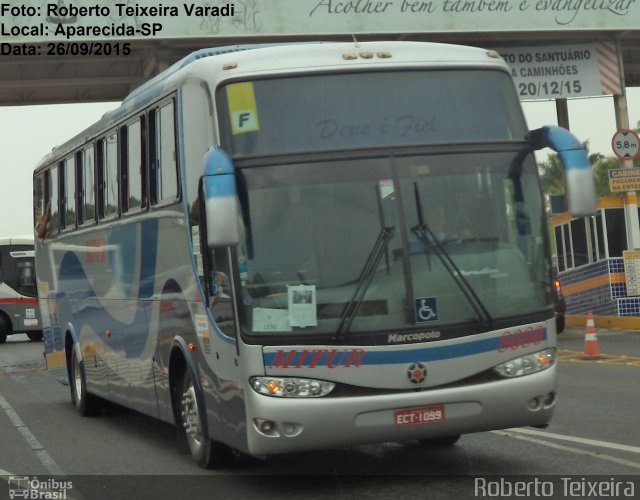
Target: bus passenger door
(219, 274)
(220, 300)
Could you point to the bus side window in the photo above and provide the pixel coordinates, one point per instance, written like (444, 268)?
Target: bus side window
(108, 176)
(39, 202)
(53, 188)
(88, 187)
(131, 167)
(79, 187)
(153, 156)
(163, 167)
(67, 193)
(168, 174)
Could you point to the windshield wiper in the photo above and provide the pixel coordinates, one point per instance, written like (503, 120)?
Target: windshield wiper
(366, 276)
(426, 236)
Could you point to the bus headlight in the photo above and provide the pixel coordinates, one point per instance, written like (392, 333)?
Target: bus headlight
(525, 365)
(291, 387)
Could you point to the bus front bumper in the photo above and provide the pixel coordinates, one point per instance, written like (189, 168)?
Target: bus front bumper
(283, 425)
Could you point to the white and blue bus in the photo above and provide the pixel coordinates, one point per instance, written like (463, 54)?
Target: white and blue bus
(251, 247)
(19, 309)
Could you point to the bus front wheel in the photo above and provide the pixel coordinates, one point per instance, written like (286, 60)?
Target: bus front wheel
(87, 404)
(207, 453)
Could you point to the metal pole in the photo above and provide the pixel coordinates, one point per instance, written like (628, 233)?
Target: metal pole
(622, 122)
(562, 112)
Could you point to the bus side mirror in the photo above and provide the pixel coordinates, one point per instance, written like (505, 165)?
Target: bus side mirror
(580, 186)
(220, 200)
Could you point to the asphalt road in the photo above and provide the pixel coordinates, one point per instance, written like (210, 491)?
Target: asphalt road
(592, 442)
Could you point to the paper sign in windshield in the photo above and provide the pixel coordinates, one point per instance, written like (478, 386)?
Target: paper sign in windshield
(243, 111)
(302, 305)
(271, 320)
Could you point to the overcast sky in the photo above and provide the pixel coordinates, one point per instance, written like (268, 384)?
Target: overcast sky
(27, 133)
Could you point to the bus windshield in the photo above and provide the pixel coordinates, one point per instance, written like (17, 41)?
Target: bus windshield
(313, 228)
(364, 110)
(17, 263)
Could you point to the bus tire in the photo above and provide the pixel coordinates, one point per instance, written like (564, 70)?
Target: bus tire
(4, 329)
(207, 453)
(34, 336)
(87, 404)
(441, 441)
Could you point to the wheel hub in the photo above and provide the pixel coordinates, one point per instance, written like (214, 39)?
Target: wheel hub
(190, 418)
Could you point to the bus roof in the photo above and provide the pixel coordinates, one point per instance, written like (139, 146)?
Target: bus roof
(306, 55)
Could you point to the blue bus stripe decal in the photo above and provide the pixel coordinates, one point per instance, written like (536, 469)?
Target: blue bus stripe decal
(431, 354)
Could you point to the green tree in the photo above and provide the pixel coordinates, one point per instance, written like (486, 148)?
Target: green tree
(551, 175)
(601, 174)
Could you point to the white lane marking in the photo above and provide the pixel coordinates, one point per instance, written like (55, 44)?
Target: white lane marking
(31, 440)
(590, 442)
(577, 451)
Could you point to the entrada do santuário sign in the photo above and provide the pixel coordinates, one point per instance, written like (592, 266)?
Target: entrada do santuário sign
(33, 21)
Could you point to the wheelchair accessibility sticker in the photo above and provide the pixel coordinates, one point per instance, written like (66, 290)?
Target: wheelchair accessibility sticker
(426, 309)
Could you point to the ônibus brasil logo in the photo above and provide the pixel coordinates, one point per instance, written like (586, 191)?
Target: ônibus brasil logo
(38, 489)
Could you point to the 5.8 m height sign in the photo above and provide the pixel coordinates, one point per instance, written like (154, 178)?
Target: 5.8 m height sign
(626, 144)
(564, 71)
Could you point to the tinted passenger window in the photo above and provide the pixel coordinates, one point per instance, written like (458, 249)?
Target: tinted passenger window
(39, 200)
(67, 190)
(54, 198)
(163, 164)
(109, 176)
(168, 175)
(87, 187)
(133, 196)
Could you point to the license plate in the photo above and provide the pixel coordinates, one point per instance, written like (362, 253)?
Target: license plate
(415, 416)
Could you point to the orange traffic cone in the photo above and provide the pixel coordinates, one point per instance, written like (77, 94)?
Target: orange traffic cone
(591, 346)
